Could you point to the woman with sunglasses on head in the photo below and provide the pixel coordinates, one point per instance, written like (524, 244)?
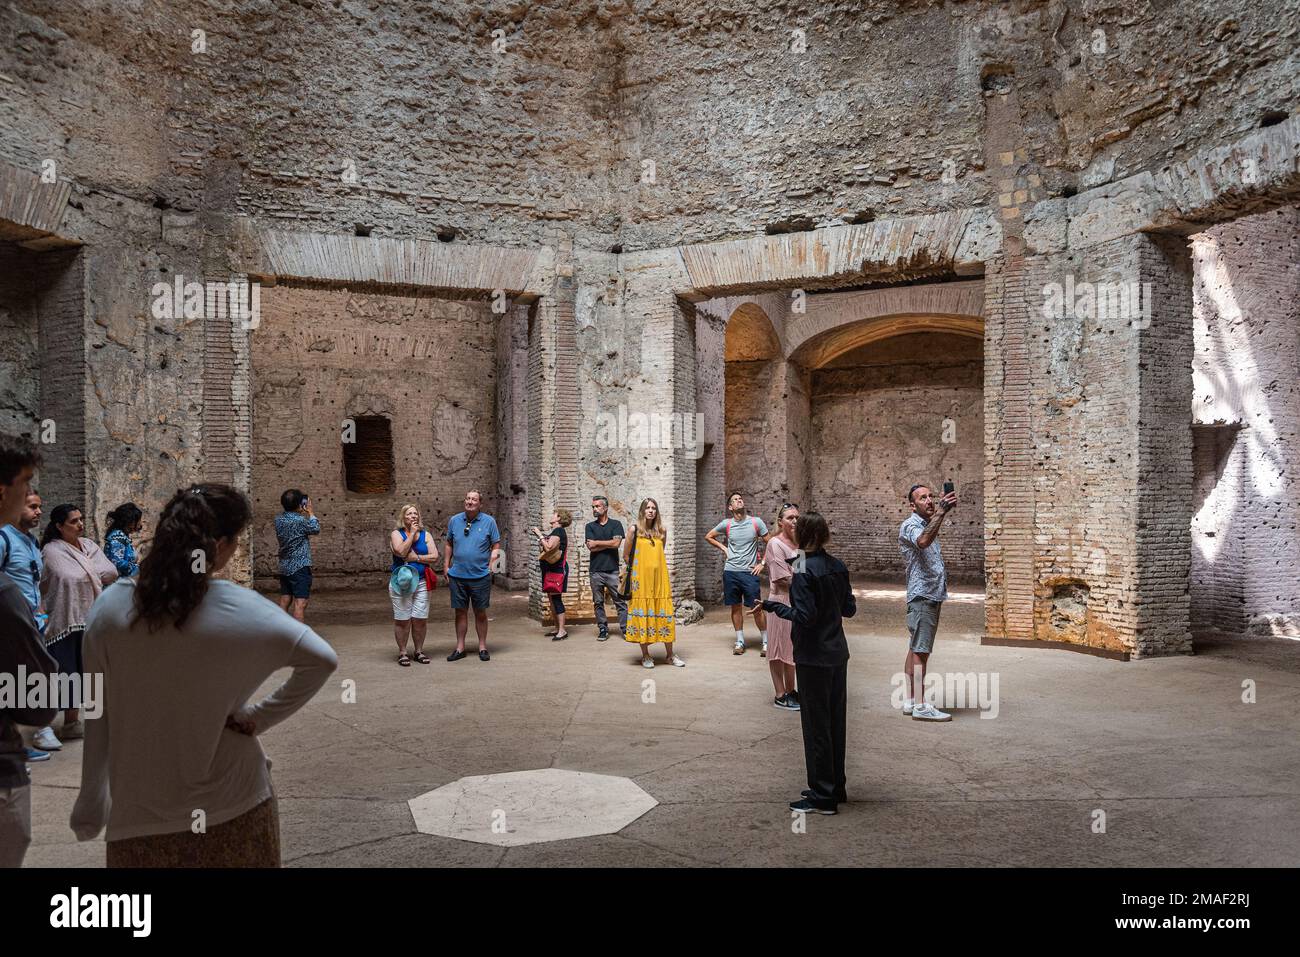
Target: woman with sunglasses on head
(181, 652)
(781, 550)
(76, 571)
(650, 615)
(411, 580)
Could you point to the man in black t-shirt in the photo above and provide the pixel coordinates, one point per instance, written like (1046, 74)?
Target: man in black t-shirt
(604, 538)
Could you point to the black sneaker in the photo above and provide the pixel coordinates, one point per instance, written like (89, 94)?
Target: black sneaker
(602, 635)
(839, 798)
(785, 703)
(484, 656)
(793, 695)
(456, 656)
(807, 806)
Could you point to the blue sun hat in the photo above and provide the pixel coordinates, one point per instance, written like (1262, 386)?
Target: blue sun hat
(404, 580)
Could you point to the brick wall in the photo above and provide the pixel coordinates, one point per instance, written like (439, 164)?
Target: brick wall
(710, 472)
(59, 280)
(1245, 543)
(323, 355)
(1165, 477)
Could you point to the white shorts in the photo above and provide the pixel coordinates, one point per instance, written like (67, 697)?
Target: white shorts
(414, 605)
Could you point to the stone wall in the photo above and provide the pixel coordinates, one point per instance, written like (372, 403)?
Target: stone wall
(784, 118)
(1245, 543)
(19, 343)
(322, 356)
(885, 416)
(640, 127)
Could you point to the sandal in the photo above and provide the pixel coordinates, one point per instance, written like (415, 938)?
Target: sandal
(404, 660)
(560, 637)
(421, 657)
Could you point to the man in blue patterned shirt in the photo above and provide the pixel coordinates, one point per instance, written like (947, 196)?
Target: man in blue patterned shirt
(292, 526)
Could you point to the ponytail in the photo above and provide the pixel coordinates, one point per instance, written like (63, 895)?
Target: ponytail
(169, 588)
(124, 517)
(57, 517)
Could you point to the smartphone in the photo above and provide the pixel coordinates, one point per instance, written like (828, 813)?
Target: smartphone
(948, 487)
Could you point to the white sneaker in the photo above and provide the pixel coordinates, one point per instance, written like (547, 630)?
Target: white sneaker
(677, 662)
(763, 653)
(928, 712)
(909, 707)
(647, 663)
(46, 741)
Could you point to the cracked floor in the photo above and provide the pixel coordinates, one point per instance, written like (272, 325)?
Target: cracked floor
(1185, 772)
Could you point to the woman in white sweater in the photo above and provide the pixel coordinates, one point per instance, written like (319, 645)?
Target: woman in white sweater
(173, 767)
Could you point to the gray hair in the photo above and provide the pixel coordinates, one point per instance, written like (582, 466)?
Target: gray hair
(600, 498)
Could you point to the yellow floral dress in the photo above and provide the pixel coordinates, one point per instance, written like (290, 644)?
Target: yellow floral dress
(650, 610)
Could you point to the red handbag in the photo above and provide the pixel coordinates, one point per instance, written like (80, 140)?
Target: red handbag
(553, 582)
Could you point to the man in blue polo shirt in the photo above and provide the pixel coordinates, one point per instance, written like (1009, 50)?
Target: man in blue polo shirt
(20, 553)
(473, 549)
(20, 559)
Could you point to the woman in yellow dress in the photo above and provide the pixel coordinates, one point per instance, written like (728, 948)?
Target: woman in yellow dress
(650, 607)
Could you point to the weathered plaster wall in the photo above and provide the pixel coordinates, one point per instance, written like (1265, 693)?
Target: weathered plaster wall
(904, 410)
(324, 355)
(1245, 537)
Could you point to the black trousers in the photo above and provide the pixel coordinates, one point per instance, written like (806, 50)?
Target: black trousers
(823, 702)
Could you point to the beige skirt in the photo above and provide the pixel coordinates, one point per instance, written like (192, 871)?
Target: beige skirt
(250, 840)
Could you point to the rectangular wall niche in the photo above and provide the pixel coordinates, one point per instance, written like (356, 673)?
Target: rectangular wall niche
(368, 461)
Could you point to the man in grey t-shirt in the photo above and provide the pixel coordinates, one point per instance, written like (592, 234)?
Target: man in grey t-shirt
(927, 590)
(744, 548)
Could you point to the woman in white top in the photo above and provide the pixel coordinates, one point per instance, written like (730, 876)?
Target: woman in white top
(172, 764)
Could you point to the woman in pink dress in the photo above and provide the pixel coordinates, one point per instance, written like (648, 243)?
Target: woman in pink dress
(781, 552)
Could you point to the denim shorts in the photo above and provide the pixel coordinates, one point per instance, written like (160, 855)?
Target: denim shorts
(738, 587)
(922, 623)
(467, 590)
(297, 585)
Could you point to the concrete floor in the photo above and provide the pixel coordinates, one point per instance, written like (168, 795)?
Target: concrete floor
(1185, 772)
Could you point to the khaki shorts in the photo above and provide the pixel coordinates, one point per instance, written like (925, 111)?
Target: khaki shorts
(922, 623)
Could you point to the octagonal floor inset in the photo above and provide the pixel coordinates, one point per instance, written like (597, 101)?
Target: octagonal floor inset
(530, 807)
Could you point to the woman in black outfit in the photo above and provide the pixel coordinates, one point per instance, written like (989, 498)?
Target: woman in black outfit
(561, 519)
(820, 598)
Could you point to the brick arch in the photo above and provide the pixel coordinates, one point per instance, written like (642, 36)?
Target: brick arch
(830, 345)
(832, 324)
(751, 335)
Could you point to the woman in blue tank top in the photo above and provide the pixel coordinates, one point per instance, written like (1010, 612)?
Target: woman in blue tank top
(410, 580)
